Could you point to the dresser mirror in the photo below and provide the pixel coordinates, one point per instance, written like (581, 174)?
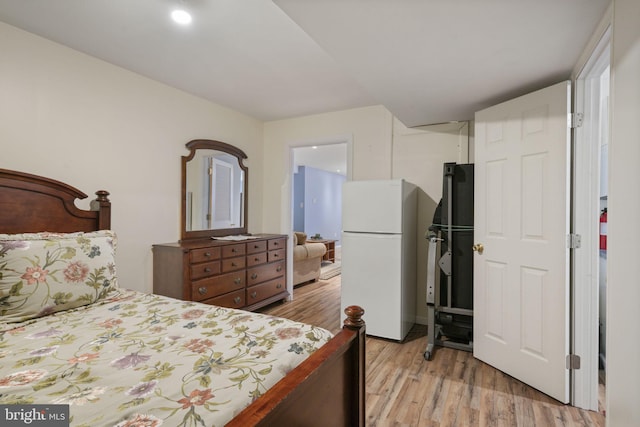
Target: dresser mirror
(214, 190)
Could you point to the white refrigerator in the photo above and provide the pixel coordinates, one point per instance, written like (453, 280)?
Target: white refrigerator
(379, 254)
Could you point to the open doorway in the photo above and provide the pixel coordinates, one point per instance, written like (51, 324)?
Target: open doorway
(318, 173)
(589, 218)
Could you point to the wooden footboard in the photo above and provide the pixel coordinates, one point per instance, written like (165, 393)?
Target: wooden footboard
(327, 389)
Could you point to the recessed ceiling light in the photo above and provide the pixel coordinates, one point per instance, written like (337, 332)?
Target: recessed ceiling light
(181, 16)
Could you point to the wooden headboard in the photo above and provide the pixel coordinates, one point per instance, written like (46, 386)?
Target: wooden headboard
(31, 204)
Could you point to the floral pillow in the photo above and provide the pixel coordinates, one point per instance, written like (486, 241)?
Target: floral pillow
(43, 273)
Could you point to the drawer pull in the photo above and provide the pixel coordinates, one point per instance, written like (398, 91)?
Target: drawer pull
(237, 280)
(275, 243)
(233, 264)
(254, 276)
(207, 270)
(254, 294)
(279, 285)
(237, 300)
(256, 259)
(202, 290)
(234, 250)
(275, 255)
(256, 247)
(207, 254)
(279, 268)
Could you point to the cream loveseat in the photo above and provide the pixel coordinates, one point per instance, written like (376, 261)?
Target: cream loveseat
(307, 258)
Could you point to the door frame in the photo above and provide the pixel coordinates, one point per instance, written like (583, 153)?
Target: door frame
(287, 220)
(214, 197)
(585, 222)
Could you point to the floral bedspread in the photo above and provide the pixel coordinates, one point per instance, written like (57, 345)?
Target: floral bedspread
(145, 360)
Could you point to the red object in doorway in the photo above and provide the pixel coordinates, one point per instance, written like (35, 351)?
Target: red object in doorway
(603, 230)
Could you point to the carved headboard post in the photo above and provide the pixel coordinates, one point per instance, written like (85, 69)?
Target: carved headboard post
(102, 204)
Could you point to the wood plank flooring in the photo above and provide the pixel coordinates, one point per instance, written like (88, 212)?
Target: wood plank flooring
(453, 389)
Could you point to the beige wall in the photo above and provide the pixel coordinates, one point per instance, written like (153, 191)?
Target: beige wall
(367, 132)
(368, 128)
(381, 148)
(79, 120)
(418, 157)
(623, 268)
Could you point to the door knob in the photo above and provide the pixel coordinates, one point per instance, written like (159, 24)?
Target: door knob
(478, 247)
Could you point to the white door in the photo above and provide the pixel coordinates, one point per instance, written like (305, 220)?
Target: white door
(521, 278)
(222, 197)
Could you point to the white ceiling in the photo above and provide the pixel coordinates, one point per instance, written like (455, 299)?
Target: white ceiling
(434, 61)
(330, 157)
(427, 61)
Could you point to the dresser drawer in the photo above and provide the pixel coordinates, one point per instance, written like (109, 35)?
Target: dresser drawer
(233, 264)
(277, 244)
(265, 290)
(205, 269)
(254, 247)
(233, 250)
(256, 259)
(276, 255)
(214, 286)
(202, 255)
(265, 272)
(217, 272)
(234, 299)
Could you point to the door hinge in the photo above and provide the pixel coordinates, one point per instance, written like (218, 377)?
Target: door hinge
(573, 241)
(575, 120)
(573, 361)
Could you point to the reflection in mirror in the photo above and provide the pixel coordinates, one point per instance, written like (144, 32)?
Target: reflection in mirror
(217, 181)
(214, 190)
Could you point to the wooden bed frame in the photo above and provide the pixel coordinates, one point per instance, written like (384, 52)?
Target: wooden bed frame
(327, 389)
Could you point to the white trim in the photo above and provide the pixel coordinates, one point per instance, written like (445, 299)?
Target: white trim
(586, 207)
(287, 219)
(336, 139)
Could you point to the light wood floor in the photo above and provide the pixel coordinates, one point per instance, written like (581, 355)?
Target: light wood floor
(453, 389)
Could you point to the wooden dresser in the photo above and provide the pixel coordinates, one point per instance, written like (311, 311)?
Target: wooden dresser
(246, 274)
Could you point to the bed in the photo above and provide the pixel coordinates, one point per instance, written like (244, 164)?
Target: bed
(70, 334)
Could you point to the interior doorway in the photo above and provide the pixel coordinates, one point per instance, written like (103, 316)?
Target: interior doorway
(590, 183)
(318, 171)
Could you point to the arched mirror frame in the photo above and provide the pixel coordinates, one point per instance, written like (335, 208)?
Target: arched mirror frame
(209, 144)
